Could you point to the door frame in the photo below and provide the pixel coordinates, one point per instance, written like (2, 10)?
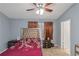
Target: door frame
(63, 35)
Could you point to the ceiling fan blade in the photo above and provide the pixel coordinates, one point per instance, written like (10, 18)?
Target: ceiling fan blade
(35, 4)
(49, 10)
(30, 9)
(47, 4)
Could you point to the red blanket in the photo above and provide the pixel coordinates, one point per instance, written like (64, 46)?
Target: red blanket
(23, 51)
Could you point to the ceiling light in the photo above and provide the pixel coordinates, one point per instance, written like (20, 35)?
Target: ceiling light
(40, 7)
(40, 11)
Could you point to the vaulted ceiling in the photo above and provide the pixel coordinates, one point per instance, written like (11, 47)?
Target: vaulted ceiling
(18, 10)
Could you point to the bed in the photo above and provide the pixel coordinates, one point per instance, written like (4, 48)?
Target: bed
(33, 36)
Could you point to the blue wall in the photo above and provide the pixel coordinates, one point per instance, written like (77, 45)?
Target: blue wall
(73, 14)
(17, 24)
(4, 31)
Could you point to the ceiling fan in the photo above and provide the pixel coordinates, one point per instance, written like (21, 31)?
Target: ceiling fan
(41, 7)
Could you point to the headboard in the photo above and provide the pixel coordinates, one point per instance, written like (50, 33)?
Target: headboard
(30, 33)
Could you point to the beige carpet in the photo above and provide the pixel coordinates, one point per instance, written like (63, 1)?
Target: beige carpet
(55, 51)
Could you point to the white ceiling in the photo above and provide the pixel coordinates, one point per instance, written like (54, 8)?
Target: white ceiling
(18, 10)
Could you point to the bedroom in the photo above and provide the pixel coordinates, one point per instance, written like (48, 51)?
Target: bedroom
(14, 17)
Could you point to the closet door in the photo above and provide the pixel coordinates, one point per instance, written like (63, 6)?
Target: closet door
(48, 30)
(32, 24)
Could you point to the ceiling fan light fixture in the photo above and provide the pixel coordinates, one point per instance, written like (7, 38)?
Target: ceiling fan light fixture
(41, 8)
(40, 11)
(37, 12)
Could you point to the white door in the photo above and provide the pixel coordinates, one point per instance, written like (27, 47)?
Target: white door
(62, 35)
(65, 36)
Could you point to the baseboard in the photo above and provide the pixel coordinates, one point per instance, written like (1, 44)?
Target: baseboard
(56, 45)
(3, 50)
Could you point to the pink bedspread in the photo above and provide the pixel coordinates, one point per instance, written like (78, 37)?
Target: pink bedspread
(23, 51)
